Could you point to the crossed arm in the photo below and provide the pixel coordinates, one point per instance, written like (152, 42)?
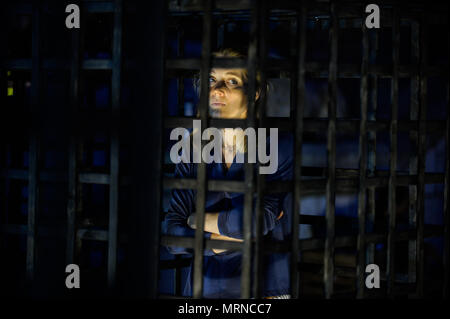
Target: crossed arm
(211, 226)
(182, 204)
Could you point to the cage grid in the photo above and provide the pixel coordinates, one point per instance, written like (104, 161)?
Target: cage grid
(364, 180)
(75, 178)
(339, 178)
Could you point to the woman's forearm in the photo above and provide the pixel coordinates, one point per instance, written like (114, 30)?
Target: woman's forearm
(210, 225)
(221, 237)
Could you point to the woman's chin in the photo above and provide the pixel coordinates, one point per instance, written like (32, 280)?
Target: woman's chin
(215, 112)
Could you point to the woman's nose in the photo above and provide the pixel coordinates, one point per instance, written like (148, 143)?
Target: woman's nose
(217, 90)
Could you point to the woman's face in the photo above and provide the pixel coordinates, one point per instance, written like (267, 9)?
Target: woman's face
(227, 97)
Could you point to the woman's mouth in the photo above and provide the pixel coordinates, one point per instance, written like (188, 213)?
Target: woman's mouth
(217, 104)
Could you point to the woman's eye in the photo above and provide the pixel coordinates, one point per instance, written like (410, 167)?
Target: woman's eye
(233, 82)
(211, 80)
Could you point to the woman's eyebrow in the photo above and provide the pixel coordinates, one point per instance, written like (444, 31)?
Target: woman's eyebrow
(233, 73)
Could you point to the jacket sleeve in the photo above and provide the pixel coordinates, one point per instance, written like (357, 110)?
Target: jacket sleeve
(181, 205)
(230, 222)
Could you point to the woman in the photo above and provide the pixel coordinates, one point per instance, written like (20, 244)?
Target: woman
(224, 210)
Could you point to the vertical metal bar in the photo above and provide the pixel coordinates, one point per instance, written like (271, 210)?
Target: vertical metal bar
(392, 209)
(331, 153)
(7, 146)
(180, 79)
(421, 160)
(248, 167)
(361, 241)
(73, 173)
(33, 175)
(147, 143)
(260, 180)
(446, 284)
(299, 106)
(201, 167)
(372, 147)
(114, 156)
(413, 136)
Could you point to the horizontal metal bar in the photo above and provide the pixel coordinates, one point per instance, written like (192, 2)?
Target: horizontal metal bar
(87, 6)
(98, 6)
(56, 176)
(311, 186)
(195, 64)
(213, 185)
(189, 242)
(88, 64)
(97, 178)
(98, 234)
(304, 244)
(311, 171)
(97, 64)
(58, 232)
(226, 186)
(311, 124)
(17, 64)
(93, 178)
(179, 183)
(314, 68)
(186, 122)
(352, 10)
(350, 175)
(91, 234)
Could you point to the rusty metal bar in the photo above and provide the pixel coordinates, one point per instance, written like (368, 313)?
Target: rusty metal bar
(361, 245)
(328, 275)
(114, 151)
(201, 167)
(392, 206)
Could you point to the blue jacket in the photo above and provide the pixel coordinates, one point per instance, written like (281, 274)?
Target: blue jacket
(222, 271)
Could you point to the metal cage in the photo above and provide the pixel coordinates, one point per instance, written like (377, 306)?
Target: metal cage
(143, 64)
